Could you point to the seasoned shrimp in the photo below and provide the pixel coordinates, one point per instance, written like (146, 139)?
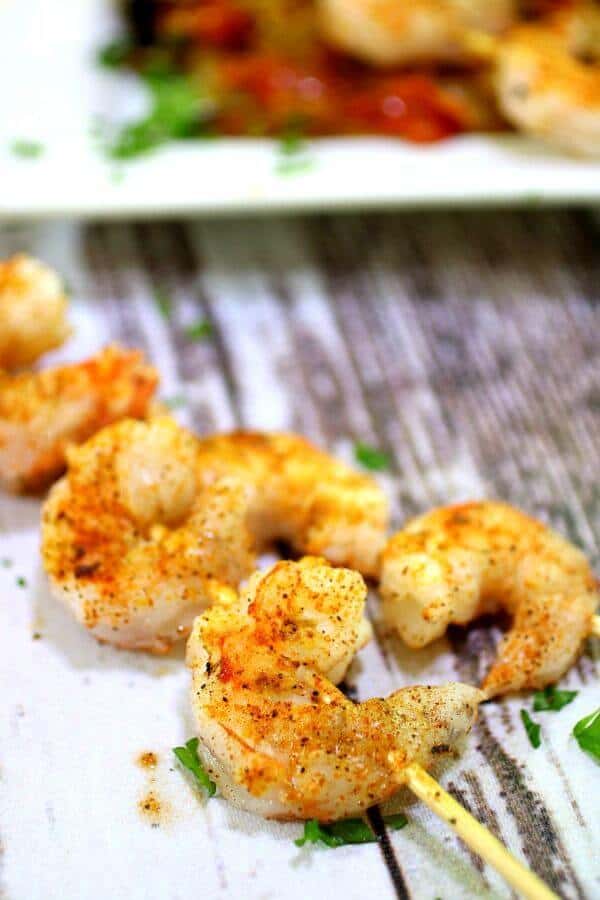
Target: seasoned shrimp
(304, 496)
(42, 413)
(460, 562)
(548, 79)
(33, 310)
(134, 543)
(391, 33)
(275, 734)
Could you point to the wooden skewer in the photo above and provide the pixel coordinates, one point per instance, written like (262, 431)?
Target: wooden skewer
(475, 835)
(595, 626)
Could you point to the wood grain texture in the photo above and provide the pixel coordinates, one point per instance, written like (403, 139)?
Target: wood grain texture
(465, 346)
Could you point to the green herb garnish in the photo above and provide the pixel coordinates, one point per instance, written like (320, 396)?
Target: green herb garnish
(346, 831)
(6, 563)
(552, 699)
(27, 149)
(293, 151)
(587, 732)
(177, 111)
(371, 457)
(175, 402)
(199, 331)
(163, 303)
(532, 729)
(22, 582)
(115, 53)
(188, 757)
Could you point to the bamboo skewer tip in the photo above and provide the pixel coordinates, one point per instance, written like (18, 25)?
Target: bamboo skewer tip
(475, 835)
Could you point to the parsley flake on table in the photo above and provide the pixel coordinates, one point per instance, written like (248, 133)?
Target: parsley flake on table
(22, 582)
(175, 402)
(188, 757)
(587, 732)
(532, 729)
(163, 303)
(552, 699)
(346, 831)
(199, 331)
(27, 149)
(6, 563)
(371, 458)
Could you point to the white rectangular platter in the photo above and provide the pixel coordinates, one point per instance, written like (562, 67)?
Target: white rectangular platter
(52, 91)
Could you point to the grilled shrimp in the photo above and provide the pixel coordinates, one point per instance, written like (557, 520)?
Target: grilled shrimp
(301, 495)
(42, 413)
(456, 563)
(132, 540)
(548, 79)
(275, 733)
(391, 33)
(33, 310)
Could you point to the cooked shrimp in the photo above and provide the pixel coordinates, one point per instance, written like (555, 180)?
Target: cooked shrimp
(33, 310)
(548, 80)
(460, 562)
(42, 413)
(134, 543)
(275, 734)
(304, 496)
(391, 33)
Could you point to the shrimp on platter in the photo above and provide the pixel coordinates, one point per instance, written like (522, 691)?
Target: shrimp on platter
(42, 413)
(275, 733)
(391, 33)
(548, 79)
(457, 563)
(33, 307)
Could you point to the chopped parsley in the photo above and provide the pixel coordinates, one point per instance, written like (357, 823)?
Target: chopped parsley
(6, 563)
(163, 303)
(371, 457)
(188, 757)
(587, 732)
(114, 54)
(27, 149)
(293, 152)
(552, 699)
(22, 582)
(199, 331)
(346, 831)
(177, 111)
(175, 402)
(532, 729)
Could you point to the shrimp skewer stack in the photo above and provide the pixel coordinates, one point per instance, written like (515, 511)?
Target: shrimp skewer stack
(283, 742)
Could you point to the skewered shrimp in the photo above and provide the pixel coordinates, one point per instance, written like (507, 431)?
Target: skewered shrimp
(41, 413)
(389, 32)
(548, 79)
(277, 736)
(460, 562)
(33, 309)
(134, 543)
(304, 496)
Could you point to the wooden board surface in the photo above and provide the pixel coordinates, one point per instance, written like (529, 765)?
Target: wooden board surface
(466, 346)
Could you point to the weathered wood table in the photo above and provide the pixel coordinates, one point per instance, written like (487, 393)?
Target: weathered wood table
(465, 346)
